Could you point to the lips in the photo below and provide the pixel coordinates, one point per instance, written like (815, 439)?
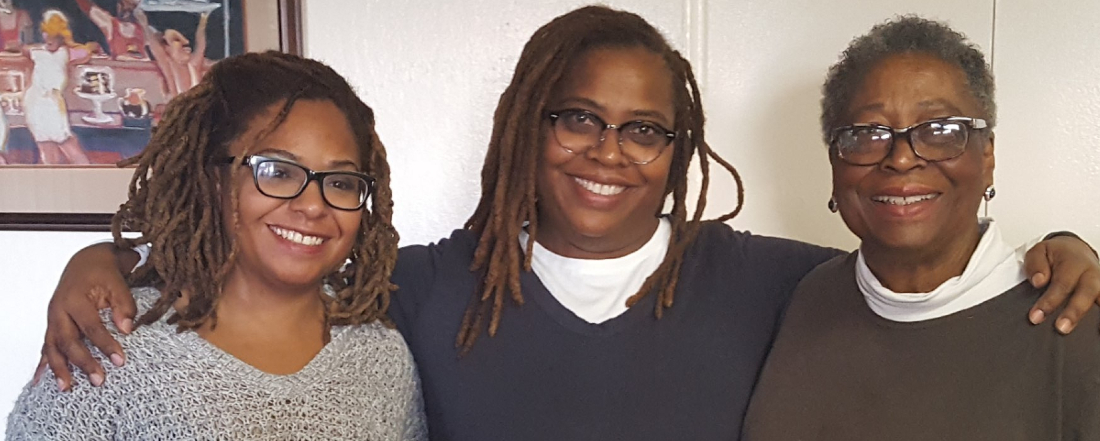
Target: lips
(297, 236)
(904, 200)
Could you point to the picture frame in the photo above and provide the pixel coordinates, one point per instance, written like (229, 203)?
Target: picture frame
(84, 198)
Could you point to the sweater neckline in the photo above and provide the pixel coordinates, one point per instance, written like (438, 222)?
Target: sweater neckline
(198, 345)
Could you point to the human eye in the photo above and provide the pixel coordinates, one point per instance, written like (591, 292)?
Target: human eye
(345, 183)
(277, 170)
(645, 133)
(861, 138)
(580, 121)
(942, 133)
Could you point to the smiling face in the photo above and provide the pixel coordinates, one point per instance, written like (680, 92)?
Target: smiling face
(296, 242)
(597, 203)
(905, 202)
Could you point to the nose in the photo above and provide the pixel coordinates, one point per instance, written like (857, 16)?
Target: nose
(310, 203)
(609, 150)
(902, 156)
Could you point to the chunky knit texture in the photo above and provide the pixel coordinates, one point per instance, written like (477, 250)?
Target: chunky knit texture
(362, 385)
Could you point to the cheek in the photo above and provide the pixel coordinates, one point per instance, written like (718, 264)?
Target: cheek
(656, 173)
(350, 222)
(846, 179)
(552, 154)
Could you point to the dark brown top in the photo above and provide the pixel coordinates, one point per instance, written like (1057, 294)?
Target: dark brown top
(838, 371)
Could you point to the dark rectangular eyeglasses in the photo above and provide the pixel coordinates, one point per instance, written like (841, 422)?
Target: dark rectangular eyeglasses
(284, 179)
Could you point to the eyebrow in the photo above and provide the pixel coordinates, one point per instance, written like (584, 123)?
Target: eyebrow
(646, 113)
(283, 154)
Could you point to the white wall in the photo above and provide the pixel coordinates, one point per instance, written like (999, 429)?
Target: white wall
(433, 71)
(30, 265)
(1047, 62)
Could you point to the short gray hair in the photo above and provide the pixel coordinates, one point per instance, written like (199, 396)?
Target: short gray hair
(903, 34)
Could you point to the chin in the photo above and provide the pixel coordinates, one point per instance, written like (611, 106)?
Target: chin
(297, 275)
(594, 226)
(900, 238)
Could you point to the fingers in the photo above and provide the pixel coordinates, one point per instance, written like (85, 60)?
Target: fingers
(89, 323)
(63, 344)
(123, 308)
(58, 366)
(1085, 295)
(78, 354)
(1037, 265)
(41, 369)
(1058, 291)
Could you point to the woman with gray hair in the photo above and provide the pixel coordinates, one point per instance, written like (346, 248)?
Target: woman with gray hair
(917, 335)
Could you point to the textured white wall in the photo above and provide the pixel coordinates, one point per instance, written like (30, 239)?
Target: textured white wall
(1047, 62)
(30, 265)
(433, 72)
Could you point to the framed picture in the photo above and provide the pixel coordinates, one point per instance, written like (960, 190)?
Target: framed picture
(83, 82)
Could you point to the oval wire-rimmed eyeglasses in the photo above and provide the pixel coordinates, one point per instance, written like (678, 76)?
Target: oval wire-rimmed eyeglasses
(284, 179)
(640, 141)
(934, 140)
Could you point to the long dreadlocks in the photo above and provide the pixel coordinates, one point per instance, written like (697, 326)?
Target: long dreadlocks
(177, 192)
(508, 180)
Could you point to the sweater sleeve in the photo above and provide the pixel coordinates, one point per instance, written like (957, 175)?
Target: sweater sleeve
(44, 412)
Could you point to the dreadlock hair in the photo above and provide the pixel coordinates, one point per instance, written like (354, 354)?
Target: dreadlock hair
(508, 178)
(184, 203)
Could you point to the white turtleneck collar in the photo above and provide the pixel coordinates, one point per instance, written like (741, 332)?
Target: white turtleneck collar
(596, 290)
(993, 269)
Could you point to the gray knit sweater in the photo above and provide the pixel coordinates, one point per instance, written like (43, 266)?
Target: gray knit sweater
(362, 385)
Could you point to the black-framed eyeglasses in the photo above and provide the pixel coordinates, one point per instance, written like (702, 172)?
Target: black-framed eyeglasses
(934, 140)
(579, 130)
(284, 179)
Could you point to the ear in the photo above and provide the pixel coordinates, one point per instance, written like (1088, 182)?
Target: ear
(989, 162)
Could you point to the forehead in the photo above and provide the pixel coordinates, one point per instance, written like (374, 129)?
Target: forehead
(316, 132)
(914, 81)
(619, 79)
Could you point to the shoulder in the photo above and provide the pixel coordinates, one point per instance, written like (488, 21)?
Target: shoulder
(376, 348)
(421, 269)
(719, 240)
(151, 343)
(833, 271)
(369, 336)
(459, 247)
(144, 298)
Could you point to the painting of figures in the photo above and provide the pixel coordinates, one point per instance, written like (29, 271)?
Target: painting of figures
(83, 82)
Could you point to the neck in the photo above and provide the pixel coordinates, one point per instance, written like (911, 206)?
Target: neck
(566, 242)
(921, 269)
(256, 298)
(276, 329)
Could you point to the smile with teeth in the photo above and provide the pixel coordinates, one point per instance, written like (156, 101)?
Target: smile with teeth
(297, 237)
(904, 200)
(600, 189)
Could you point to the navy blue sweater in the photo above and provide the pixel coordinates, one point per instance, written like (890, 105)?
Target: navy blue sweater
(549, 375)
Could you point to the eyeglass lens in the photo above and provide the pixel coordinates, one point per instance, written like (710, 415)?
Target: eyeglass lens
(641, 141)
(286, 180)
(932, 141)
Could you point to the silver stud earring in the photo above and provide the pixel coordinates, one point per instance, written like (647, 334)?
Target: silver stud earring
(989, 194)
(833, 205)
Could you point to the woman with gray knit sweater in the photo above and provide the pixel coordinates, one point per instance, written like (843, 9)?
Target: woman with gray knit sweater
(919, 334)
(262, 310)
